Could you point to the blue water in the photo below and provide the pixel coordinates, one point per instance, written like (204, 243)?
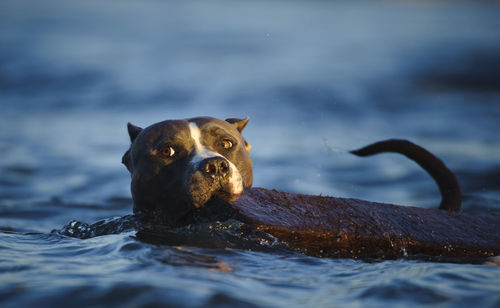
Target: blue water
(317, 78)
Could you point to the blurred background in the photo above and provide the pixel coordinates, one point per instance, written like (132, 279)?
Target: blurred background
(316, 78)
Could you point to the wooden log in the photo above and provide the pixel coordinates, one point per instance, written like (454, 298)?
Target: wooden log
(351, 228)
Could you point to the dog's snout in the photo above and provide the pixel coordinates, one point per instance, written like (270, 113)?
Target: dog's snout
(215, 166)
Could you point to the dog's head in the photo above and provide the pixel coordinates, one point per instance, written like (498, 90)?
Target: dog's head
(179, 165)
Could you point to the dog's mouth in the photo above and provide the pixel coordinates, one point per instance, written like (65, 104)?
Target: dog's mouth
(227, 196)
(202, 189)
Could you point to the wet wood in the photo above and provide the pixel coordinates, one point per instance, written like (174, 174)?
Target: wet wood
(352, 228)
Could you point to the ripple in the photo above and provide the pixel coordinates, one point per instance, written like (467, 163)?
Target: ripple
(407, 292)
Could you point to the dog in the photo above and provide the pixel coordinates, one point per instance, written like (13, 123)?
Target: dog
(179, 166)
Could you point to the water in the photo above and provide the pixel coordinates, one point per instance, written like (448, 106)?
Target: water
(317, 78)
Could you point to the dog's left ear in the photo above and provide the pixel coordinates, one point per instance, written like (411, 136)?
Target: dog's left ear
(133, 131)
(238, 123)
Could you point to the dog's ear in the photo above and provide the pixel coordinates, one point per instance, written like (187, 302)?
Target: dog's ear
(238, 123)
(133, 131)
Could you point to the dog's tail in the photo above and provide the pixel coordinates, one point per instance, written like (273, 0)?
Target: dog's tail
(445, 179)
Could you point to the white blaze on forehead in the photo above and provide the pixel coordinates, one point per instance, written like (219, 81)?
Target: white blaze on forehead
(196, 136)
(201, 153)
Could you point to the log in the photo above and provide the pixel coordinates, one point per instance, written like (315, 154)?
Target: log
(351, 228)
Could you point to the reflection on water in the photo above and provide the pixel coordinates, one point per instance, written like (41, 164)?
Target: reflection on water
(317, 78)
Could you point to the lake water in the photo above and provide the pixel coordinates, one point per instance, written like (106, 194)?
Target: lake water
(317, 78)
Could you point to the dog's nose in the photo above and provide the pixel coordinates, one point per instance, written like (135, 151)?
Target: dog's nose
(215, 166)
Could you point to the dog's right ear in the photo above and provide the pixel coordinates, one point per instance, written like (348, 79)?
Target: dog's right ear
(133, 131)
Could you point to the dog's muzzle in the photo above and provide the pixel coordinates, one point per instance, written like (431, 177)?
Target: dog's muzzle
(215, 176)
(215, 167)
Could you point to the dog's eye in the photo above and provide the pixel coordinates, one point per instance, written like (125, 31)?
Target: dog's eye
(167, 151)
(226, 144)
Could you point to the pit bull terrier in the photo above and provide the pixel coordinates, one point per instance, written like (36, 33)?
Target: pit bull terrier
(178, 165)
(181, 166)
